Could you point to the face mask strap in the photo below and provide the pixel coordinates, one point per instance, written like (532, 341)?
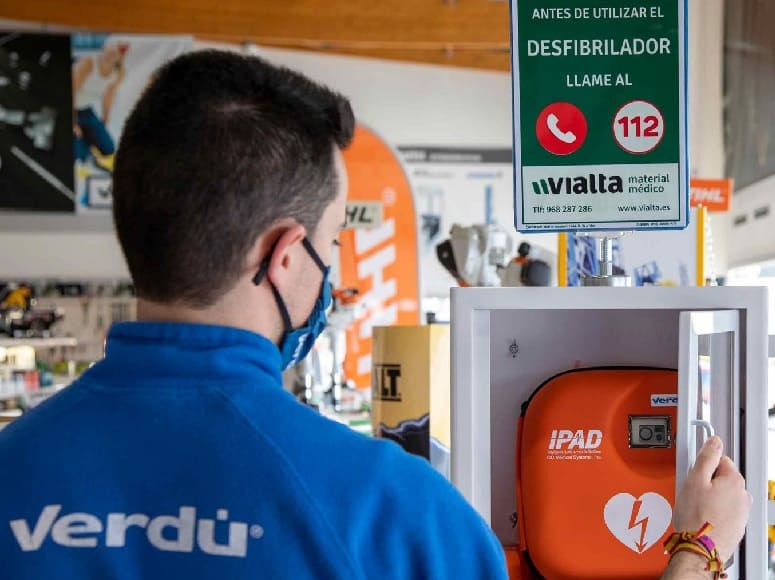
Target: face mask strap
(261, 274)
(282, 308)
(264, 267)
(315, 256)
(259, 277)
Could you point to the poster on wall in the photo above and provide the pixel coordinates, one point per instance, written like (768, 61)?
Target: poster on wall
(464, 186)
(36, 128)
(378, 253)
(649, 258)
(109, 73)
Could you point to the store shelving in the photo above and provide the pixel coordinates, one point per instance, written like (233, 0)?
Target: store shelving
(53, 342)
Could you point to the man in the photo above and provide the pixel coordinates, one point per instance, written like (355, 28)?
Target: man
(180, 455)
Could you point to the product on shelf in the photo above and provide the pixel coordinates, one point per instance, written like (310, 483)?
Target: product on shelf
(19, 316)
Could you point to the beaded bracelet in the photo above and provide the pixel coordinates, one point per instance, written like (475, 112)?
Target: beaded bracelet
(697, 543)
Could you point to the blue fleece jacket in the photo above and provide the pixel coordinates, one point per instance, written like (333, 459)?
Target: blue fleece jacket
(180, 456)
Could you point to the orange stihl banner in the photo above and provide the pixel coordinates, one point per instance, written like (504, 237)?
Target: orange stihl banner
(714, 194)
(377, 256)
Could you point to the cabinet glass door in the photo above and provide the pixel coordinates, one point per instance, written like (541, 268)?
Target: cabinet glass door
(708, 388)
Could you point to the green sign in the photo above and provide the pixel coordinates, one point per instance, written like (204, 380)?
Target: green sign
(600, 132)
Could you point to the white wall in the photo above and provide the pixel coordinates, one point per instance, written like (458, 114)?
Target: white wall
(753, 240)
(413, 104)
(59, 247)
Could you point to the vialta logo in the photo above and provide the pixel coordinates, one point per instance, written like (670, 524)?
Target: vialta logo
(586, 184)
(165, 532)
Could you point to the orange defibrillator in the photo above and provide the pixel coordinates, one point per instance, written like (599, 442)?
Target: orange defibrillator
(596, 475)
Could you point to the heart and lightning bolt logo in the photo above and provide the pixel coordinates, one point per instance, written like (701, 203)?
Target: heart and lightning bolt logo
(643, 523)
(638, 523)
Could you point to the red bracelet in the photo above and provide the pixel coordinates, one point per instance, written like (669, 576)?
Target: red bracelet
(697, 543)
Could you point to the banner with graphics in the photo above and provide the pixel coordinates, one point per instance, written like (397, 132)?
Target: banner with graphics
(714, 194)
(36, 148)
(109, 73)
(380, 261)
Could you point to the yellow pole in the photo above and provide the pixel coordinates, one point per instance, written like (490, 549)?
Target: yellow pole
(702, 216)
(562, 259)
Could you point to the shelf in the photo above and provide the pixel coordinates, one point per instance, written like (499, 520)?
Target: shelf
(36, 397)
(8, 416)
(32, 397)
(10, 395)
(6, 341)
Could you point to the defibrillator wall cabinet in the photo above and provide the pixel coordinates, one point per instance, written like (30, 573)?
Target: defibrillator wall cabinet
(506, 342)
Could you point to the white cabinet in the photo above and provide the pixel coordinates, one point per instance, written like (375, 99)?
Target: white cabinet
(507, 341)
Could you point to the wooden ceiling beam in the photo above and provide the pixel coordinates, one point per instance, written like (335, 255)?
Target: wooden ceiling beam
(472, 33)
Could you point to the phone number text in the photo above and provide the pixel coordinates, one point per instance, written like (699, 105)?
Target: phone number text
(562, 209)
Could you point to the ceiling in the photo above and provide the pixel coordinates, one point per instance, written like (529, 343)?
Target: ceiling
(466, 33)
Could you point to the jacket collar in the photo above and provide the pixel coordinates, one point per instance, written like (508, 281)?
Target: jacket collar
(180, 354)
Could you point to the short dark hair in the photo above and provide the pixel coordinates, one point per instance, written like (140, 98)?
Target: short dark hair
(218, 148)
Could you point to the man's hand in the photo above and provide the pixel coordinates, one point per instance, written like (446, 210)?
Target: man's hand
(714, 491)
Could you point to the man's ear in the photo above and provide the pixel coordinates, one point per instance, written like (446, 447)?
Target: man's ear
(285, 250)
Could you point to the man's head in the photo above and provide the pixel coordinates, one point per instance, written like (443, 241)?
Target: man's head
(227, 160)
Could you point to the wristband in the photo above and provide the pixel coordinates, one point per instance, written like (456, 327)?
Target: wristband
(697, 543)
